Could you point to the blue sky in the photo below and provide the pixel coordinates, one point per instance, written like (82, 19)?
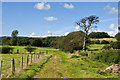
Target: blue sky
(35, 19)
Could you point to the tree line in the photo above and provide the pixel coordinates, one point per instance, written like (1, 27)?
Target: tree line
(70, 43)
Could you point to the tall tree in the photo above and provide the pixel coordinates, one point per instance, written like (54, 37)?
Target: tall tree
(14, 37)
(86, 24)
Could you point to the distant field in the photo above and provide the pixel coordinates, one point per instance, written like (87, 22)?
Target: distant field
(22, 50)
(107, 39)
(96, 46)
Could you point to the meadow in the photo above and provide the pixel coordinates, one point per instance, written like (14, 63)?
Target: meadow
(7, 58)
(60, 65)
(107, 39)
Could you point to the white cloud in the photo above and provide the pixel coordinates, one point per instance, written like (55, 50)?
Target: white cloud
(66, 33)
(49, 33)
(106, 20)
(77, 28)
(68, 6)
(42, 6)
(33, 35)
(95, 30)
(111, 10)
(113, 32)
(50, 18)
(107, 7)
(112, 26)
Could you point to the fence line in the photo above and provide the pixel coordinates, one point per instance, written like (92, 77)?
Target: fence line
(36, 56)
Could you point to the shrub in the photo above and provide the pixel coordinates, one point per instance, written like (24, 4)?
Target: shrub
(97, 42)
(72, 42)
(6, 50)
(106, 47)
(104, 42)
(91, 42)
(84, 54)
(75, 56)
(30, 49)
(108, 56)
(99, 35)
(117, 36)
(115, 45)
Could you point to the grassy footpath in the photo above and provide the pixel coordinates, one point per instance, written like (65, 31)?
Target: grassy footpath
(77, 68)
(52, 69)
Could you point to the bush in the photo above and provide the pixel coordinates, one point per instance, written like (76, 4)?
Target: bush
(84, 54)
(104, 42)
(75, 56)
(91, 42)
(97, 42)
(99, 35)
(6, 50)
(115, 45)
(106, 47)
(108, 56)
(72, 42)
(117, 36)
(30, 49)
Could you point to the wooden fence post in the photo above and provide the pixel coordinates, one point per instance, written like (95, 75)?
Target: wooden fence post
(1, 68)
(27, 60)
(22, 62)
(34, 56)
(46, 52)
(31, 58)
(38, 55)
(13, 66)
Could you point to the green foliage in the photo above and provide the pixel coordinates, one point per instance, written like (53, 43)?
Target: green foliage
(91, 42)
(30, 49)
(99, 35)
(5, 40)
(6, 49)
(75, 56)
(36, 42)
(104, 42)
(106, 47)
(97, 42)
(117, 36)
(86, 23)
(84, 54)
(73, 41)
(14, 38)
(108, 56)
(115, 45)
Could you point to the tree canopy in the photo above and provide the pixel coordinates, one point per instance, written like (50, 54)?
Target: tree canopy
(117, 36)
(86, 24)
(99, 35)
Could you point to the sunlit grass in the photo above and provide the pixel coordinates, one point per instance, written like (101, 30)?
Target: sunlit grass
(107, 39)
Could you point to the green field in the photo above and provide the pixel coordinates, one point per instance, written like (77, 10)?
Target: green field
(60, 65)
(73, 67)
(6, 58)
(107, 39)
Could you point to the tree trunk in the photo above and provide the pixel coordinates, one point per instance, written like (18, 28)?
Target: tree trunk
(84, 45)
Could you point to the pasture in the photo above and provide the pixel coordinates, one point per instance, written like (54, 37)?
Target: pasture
(60, 65)
(107, 39)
